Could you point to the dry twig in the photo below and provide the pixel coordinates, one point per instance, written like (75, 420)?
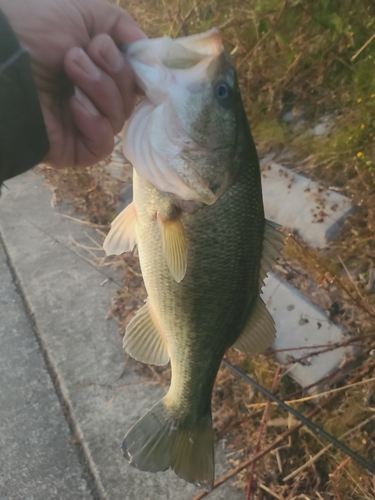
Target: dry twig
(363, 306)
(363, 47)
(321, 452)
(313, 396)
(261, 427)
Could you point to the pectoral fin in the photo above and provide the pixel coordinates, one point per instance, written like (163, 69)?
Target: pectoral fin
(174, 246)
(122, 236)
(144, 341)
(259, 331)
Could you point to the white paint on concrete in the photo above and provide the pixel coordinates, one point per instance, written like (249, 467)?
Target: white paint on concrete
(300, 204)
(300, 324)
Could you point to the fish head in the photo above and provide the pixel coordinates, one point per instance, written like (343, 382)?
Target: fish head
(183, 137)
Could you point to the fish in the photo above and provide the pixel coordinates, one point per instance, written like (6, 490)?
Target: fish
(204, 244)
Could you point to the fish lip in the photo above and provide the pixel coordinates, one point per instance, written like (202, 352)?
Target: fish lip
(198, 43)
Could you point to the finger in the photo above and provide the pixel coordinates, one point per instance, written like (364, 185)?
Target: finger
(94, 139)
(103, 17)
(99, 87)
(126, 31)
(105, 54)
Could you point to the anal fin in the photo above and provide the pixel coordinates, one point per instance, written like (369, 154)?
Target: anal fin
(174, 246)
(143, 341)
(122, 236)
(259, 332)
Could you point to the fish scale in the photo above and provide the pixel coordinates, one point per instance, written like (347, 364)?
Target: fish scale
(203, 314)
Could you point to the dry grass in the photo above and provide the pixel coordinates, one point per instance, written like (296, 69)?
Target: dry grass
(314, 58)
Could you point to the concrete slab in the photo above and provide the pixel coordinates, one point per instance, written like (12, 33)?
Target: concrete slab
(69, 301)
(298, 203)
(300, 324)
(37, 457)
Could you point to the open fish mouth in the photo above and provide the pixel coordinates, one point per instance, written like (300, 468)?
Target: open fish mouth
(180, 53)
(172, 61)
(155, 138)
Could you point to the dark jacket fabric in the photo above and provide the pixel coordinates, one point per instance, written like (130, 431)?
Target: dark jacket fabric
(23, 137)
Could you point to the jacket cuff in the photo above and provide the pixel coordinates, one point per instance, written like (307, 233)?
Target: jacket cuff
(23, 135)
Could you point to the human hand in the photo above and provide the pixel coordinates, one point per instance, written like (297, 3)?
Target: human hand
(86, 87)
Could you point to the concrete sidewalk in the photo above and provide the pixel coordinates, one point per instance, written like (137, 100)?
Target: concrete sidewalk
(37, 457)
(63, 342)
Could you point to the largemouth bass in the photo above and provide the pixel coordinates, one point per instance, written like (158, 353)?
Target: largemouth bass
(204, 244)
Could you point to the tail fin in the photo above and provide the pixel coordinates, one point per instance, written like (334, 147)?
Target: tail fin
(158, 441)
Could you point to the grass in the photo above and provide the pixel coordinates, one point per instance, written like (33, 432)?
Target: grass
(315, 61)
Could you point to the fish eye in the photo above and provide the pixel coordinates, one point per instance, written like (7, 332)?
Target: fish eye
(222, 91)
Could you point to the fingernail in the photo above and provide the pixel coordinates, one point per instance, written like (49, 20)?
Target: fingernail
(111, 55)
(84, 62)
(85, 102)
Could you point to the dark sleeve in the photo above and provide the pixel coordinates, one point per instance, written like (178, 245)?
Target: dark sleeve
(23, 137)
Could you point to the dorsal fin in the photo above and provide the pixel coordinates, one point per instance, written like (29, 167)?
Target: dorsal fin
(273, 242)
(259, 331)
